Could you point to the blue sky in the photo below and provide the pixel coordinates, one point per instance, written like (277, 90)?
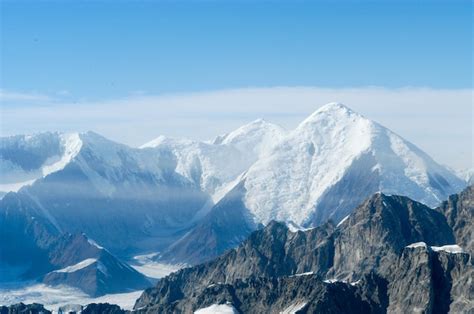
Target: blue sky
(202, 68)
(114, 48)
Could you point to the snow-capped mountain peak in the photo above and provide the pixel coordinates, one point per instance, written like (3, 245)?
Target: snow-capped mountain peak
(332, 161)
(257, 136)
(214, 165)
(26, 158)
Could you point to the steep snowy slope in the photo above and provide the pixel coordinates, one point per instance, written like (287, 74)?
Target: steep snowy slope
(26, 158)
(333, 160)
(321, 170)
(212, 166)
(127, 199)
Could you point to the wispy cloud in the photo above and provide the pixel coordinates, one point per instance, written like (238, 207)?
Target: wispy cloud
(437, 120)
(10, 96)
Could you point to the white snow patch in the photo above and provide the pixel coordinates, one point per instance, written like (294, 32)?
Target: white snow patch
(453, 248)
(417, 244)
(355, 283)
(217, 309)
(303, 274)
(332, 280)
(92, 242)
(292, 227)
(54, 297)
(76, 267)
(145, 265)
(293, 308)
(342, 221)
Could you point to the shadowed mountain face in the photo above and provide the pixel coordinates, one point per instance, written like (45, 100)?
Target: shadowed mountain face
(128, 200)
(48, 255)
(370, 258)
(219, 231)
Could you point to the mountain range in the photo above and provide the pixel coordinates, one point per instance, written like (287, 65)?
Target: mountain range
(391, 255)
(189, 201)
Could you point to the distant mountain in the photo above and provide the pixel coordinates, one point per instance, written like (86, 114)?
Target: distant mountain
(127, 199)
(391, 254)
(26, 158)
(213, 165)
(467, 175)
(37, 250)
(320, 171)
(190, 201)
(331, 162)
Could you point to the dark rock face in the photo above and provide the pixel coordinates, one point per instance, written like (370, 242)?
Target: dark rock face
(378, 230)
(368, 249)
(459, 212)
(102, 308)
(307, 293)
(21, 308)
(431, 282)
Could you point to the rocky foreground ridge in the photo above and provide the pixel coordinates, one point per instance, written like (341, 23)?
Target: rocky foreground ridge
(391, 254)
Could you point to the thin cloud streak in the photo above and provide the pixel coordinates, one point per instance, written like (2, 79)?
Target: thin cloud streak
(8, 96)
(437, 120)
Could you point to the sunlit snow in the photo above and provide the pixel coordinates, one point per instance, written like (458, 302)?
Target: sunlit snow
(217, 309)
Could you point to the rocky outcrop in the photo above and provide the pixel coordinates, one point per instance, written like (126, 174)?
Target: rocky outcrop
(21, 308)
(102, 308)
(427, 281)
(459, 212)
(365, 258)
(378, 230)
(306, 293)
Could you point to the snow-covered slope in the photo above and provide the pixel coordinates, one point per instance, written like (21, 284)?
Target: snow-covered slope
(26, 158)
(129, 199)
(466, 175)
(212, 166)
(337, 154)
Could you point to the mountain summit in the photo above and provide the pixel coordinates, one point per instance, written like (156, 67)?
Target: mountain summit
(331, 162)
(320, 171)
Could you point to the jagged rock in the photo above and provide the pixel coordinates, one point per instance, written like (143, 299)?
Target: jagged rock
(102, 308)
(364, 247)
(307, 293)
(459, 212)
(21, 308)
(428, 281)
(378, 230)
